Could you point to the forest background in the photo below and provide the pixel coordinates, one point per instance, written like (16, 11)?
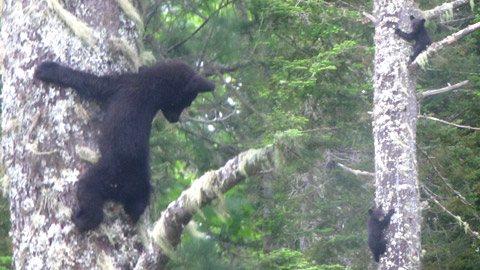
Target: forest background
(299, 74)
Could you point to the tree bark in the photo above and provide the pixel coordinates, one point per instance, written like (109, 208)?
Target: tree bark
(165, 234)
(394, 127)
(395, 116)
(394, 130)
(44, 127)
(47, 130)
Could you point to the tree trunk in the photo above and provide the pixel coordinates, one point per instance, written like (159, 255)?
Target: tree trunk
(394, 129)
(45, 127)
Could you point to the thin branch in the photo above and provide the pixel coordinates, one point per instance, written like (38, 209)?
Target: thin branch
(241, 99)
(436, 47)
(370, 17)
(232, 149)
(447, 123)
(216, 68)
(318, 129)
(462, 223)
(167, 231)
(442, 9)
(445, 180)
(291, 43)
(442, 90)
(198, 29)
(356, 172)
(207, 38)
(365, 14)
(150, 14)
(215, 120)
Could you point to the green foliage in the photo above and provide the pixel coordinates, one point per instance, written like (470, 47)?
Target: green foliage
(5, 241)
(198, 254)
(302, 80)
(286, 259)
(298, 74)
(5, 262)
(449, 163)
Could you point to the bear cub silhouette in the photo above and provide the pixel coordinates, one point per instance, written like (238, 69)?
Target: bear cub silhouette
(419, 34)
(131, 102)
(377, 223)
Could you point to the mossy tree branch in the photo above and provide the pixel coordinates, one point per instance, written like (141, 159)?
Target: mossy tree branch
(166, 232)
(443, 8)
(436, 47)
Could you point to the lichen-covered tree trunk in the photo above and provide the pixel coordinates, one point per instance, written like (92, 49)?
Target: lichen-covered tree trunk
(46, 129)
(394, 130)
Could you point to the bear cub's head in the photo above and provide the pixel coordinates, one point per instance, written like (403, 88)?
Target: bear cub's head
(178, 85)
(417, 23)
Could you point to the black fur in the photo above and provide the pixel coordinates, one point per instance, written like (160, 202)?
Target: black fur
(419, 34)
(132, 100)
(377, 223)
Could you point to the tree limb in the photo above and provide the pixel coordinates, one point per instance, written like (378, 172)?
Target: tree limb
(433, 49)
(356, 172)
(442, 9)
(370, 17)
(215, 120)
(447, 123)
(198, 29)
(442, 90)
(365, 14)
(462, 223)
(230, 148)
(216, 68)
(166, 232)
(242, 100)
(445, 180)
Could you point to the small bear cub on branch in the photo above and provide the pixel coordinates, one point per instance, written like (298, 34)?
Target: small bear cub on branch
(377, 223)
(419, 34)
(131, 100)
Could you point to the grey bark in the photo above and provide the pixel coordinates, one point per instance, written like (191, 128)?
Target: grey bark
(46, 129)
(165, 235)
(394, 129)
(395, 116)
(43, 126)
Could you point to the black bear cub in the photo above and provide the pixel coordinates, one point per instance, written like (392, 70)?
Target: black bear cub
(131, 100)
(419, 34)
(377, 223)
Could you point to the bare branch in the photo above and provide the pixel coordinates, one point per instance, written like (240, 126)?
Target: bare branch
(365, 14)
(447, 123)
(207, 121)
(356, 172)
(370, 17)
(440, 45)
(230, 148)
(242, 100)
(445, 180)
(168, 229)
(462, 223)
(198, 29)
(442, 90)
(216, 68)
(442, 9)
